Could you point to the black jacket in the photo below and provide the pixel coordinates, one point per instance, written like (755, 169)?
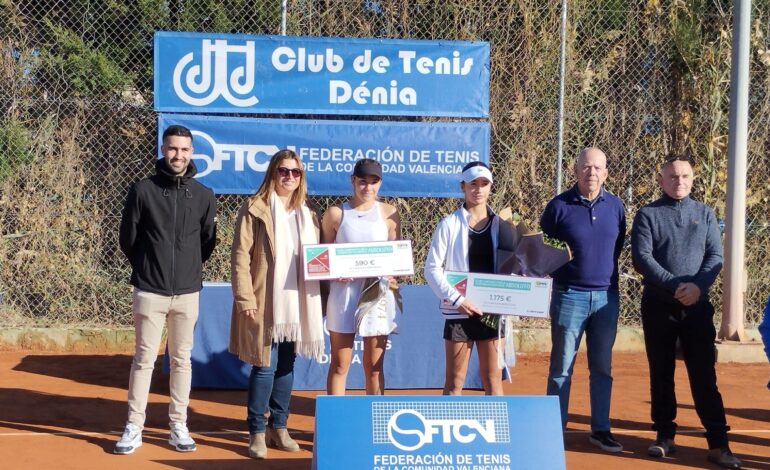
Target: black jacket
(168, 230)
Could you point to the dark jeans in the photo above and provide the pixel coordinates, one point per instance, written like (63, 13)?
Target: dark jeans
(270, 390)
(663, 323)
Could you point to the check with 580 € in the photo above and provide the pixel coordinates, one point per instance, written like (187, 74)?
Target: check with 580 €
(503, 294)
(357, 260)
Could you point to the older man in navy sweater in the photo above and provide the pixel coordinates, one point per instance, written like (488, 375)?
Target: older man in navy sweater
(678, 251)
(585, 296)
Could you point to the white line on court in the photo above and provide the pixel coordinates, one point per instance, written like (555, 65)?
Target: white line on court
(678, 431)
(236, 433)
(116, 433)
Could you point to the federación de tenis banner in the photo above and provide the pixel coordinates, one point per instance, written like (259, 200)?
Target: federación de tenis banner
(230, 73)
(437, 433)
(419, 159)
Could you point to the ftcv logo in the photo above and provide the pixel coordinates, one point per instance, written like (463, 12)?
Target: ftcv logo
(209, 155)
(411, 425)
(222, 69)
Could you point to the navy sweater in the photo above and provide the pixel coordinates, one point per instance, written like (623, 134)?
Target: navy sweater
(595, 234)
(675, 241)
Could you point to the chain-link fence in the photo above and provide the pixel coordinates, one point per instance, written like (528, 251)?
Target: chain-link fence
(643, 78)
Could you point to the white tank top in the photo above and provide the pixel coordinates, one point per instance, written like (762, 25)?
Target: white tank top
(362, 226)
(356, 226)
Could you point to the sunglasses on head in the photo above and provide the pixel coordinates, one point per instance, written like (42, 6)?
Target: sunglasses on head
(283, 172)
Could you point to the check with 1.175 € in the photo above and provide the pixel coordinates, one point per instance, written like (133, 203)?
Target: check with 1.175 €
(503, 294)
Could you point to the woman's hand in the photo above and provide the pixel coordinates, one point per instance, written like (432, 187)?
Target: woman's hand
(393, 282)
(344, 279)
(468, 308)
(251, 313)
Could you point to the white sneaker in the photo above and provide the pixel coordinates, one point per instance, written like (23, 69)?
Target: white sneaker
(130, 440)
(180, 438)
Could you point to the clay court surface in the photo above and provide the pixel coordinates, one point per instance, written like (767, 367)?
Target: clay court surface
(65, 411)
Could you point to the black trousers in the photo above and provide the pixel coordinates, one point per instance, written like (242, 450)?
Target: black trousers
(663, 324)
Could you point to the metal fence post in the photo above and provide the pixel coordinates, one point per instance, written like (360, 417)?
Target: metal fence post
(735, 240)
(562, 68)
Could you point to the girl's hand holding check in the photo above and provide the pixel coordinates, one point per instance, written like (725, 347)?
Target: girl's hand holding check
(468, 308)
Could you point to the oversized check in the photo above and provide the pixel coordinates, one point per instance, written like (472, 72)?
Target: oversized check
(503, 294)
(356, 260)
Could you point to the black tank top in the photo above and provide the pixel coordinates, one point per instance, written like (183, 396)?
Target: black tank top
(480, 249)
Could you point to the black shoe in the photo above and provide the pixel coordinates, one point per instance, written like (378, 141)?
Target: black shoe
(605, 441)
(724, 458)
(661, 448)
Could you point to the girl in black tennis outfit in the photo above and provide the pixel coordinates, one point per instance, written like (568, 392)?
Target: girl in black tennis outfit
(466, 241)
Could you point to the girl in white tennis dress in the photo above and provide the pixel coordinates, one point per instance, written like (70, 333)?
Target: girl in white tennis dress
(357, 226)
(361, 219)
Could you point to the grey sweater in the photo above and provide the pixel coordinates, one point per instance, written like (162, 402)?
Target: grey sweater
(675, 241)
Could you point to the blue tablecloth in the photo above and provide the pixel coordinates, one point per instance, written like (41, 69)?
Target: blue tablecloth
(414, 358)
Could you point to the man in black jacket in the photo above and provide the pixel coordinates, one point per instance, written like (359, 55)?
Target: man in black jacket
(167, 231)
(677, 248)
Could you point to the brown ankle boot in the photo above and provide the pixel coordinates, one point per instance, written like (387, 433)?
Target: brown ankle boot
(257, 447)
(280, 439)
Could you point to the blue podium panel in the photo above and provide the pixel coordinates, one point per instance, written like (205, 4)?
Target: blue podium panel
(213, 366)
(437, 432)
(414, 357)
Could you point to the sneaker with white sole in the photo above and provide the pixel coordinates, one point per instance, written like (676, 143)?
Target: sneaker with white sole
(605, 441)
(130, 440)
(180, 438)
(662, 447)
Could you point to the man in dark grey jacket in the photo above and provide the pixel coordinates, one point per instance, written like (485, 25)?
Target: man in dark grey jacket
(677, 248)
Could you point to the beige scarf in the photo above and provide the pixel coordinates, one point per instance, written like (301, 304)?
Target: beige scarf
(297, 318)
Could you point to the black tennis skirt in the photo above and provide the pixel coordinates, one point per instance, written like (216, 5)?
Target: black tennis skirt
(468, 329)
